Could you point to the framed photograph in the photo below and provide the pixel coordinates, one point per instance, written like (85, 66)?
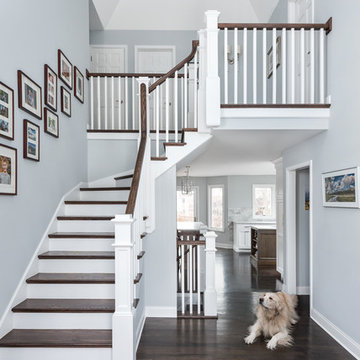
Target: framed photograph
(29, 95)
(8, 170)
(50, 86)
(341, 188)
(79, 85)
(6, 112)
(269, 62)
(65, 70)
(31, 141)
(65, 102)
(51, 123)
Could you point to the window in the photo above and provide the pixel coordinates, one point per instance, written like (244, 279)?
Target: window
(216, 207)
(187, 205)
(264, 201)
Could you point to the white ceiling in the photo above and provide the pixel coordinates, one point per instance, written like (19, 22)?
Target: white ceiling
(241, 152)
(176, 15)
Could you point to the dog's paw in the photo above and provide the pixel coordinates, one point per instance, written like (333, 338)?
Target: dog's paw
(271, 345)
(250, 339)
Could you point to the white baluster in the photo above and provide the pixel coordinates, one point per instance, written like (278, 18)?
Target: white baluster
(255, 66)
(157, 122)
(167, 110)
(322, 67)
(264, 66)
(274, 60)
(106, 102)
(312, 66)
(126, 103)
(133, 104)
(91, 102)
(139, 104)
(191, 278)
(98, 103)
(235, 66)
(283, 65)
(225, 66)
(176, 105)
(182, 103)
(292, 57)
(210, 296)
(119, 106)
(198, 278)
(245, 65)
(154, 107)
(112, 104)
(182, 280)
(195, 92)
(302, 65)
(185, 95)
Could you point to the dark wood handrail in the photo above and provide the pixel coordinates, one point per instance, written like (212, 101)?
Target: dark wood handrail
(191, 242)
(140, 156)
(123, 75)
(278, 26)
(171, 73)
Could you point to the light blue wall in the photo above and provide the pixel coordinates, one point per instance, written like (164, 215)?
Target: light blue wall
(336, 244)
(33, 31)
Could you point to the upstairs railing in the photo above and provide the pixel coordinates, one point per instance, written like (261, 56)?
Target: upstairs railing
(273, 64)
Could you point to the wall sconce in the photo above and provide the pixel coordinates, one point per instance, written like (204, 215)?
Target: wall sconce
(238, 53)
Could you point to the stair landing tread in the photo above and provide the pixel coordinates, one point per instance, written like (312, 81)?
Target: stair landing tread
(57, 338)
(77, 255)
(66, 306)
(106, 188)
(97, 235)
(72, 278)
(94, 202)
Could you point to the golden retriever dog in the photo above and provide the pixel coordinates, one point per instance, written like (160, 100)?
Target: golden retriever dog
(275, 314)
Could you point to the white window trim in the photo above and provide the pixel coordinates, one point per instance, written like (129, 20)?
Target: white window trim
(197, 201)
(273, 201)
(209, 207)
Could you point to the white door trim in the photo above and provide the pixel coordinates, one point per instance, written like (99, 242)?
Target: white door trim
(172, 48)
(125, 47)
(290, 221)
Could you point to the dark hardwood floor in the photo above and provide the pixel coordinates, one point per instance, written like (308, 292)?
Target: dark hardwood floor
(238, 285)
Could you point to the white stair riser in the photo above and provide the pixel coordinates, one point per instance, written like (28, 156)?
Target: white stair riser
(123, 182)
(85, 226)
(101, 321)
(81, 244)
(117, 195)
(55, 353)
(71, 291)
(94, 210)
(76, 266)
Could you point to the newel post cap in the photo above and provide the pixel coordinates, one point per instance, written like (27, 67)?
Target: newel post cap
(211, 19)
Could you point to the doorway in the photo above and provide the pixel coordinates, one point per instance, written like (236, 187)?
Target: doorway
(299, 238)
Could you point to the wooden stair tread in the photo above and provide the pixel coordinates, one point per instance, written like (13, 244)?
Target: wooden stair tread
(280, 106)
(82, 235)
(145, 218)
(86, 218)
(138, 278)
(66, 306)
(117, 188)
(143, 235)
(77, 255)
(135, 303)
(174, 144)
(72, 278)
(158, 158)
(123, 177)
(140, 255)
(57, 338)
(92, 202)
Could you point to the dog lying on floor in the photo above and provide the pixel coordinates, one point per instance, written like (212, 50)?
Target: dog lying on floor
(276, 315)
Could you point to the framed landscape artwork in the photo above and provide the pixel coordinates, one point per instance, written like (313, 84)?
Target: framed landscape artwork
(31, 141)
(29, 95)
(65, 102)
(79, 85)
(6, 112)
(341, 188)
(51, 123)
(50, 87)
(8, 170)
(65, 70)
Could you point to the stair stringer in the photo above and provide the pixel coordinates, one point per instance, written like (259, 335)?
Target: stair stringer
(20, 293)
(196, 143)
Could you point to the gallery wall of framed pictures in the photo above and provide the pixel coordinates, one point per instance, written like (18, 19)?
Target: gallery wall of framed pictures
(31, 101)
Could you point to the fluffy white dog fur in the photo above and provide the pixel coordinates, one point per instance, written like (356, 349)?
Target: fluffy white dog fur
(275, 316)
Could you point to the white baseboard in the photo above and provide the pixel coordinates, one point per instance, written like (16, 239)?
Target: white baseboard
(139, 329)
(161, 311)
(224, 246)
(343, 339)
(303, 290)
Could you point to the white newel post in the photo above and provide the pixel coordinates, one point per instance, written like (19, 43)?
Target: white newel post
(210, 295)
(212, 90)
(123, 318)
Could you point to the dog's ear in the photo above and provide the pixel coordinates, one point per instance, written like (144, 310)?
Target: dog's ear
(281, 301)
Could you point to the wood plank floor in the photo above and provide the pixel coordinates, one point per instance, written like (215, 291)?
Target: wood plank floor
(238, 285)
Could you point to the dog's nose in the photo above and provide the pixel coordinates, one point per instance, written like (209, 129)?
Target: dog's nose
(261, 300)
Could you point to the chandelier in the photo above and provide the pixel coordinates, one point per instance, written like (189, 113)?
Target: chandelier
(186, 184)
